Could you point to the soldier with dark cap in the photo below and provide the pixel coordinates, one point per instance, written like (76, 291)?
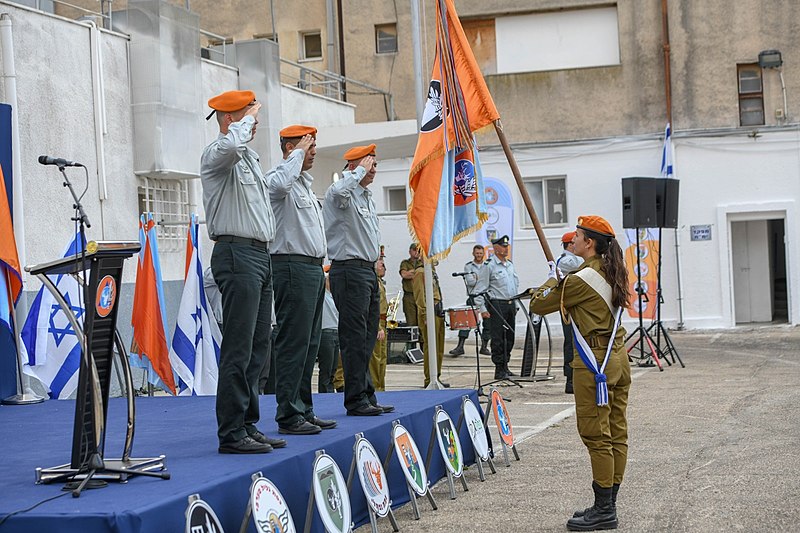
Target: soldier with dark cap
(298, 280)
(407, 268)
(500, 283)
(592, 299)
(240, 221)
(351, 225)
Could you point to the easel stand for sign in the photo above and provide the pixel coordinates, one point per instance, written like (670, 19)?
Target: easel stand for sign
(249, 510)
(412, 494)
(502, 442)
(373, 517)
(311, 499)
(450, 484)
(478, 460)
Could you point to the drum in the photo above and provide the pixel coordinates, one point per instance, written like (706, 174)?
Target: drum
(462, 317)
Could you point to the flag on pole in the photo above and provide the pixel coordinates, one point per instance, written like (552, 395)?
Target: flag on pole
(666, 154)
(447, 196)
(149, 319)
(10, 291)
(52, 345)
(197, 339)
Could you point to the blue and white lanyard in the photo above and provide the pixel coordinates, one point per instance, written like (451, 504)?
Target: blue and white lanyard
(587, 356)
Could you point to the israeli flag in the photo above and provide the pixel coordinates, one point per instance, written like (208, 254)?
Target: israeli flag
(54, 350)
(666, 154)
(194, 353)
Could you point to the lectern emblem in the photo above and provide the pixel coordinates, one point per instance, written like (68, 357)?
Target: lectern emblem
(106, 296)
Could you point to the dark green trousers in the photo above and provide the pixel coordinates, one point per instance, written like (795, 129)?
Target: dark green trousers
(244, 277)
(299, 295)
(327, 359)
(356, 294)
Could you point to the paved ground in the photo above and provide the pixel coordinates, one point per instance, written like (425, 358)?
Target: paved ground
(713, 446)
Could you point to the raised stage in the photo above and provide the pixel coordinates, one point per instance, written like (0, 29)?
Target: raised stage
(184, 429)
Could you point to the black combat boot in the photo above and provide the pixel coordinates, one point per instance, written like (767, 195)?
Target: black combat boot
(500, 371)
(458, 350)
(485, 346)
(568, 387)
(602, 515)
(614, 491)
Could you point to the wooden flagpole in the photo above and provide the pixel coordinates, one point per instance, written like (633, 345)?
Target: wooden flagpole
(498, 127)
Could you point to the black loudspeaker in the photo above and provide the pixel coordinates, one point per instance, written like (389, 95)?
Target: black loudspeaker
(639, 203)
(667, 202)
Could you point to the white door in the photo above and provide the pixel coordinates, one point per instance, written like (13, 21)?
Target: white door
(752, 295)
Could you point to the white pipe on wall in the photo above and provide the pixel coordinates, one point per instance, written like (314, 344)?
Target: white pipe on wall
(9, 75)
(98, 107)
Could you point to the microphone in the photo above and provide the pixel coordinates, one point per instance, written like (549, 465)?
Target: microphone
(47, 160)
(462, 274)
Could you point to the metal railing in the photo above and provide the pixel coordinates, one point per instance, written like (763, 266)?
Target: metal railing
(330, 84)
(212, 41)
(104, 13)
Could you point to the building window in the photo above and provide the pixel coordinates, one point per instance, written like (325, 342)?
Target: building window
(168, 200)
(549, 198)
(311, 45)
(751, 95)
(396, 201)
(386, 38)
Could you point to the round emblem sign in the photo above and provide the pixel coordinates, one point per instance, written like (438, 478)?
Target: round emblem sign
(330, 495)
(449, 444)
(477, 431)
(410, 459)
(502, 418)
(373, 478)
(106, 296)
(201, 517)
(270, 513)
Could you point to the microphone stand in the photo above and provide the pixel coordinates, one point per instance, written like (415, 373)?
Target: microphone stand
(478, 327)
(496, 313)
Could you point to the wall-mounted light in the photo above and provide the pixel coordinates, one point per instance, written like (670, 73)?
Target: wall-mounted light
(770, 59)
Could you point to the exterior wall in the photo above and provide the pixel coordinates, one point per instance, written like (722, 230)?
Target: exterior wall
(722, 179)
(301, 107)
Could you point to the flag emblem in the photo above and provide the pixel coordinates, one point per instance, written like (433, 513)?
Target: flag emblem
(464, 185)
(106, 296)
(432, 117)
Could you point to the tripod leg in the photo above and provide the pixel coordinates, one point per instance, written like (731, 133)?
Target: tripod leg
(672, 348)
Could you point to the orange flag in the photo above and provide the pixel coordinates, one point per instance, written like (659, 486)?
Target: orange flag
(445, 178)
(9, 260)
(148, 321)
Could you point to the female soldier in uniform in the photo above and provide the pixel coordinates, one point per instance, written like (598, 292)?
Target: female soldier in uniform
(592, 298)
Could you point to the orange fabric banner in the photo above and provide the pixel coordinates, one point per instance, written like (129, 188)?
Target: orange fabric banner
(458, 104)
(648, 264)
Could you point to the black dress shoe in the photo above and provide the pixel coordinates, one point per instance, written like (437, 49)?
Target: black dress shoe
(263, 439)
(324, 424)
(568, 388)
(445, 385)
(245, 445)
(384, 408)
(302, 427)
(500, 373)
(365, 410)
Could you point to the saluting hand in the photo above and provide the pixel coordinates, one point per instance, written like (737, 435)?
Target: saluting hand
(368, 163)
(253, 110)
(305, 143)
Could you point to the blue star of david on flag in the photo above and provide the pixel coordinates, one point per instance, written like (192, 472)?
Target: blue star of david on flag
(55, 313)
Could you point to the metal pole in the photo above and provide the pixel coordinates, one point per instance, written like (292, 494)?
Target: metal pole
(419, 78)
(331, 31)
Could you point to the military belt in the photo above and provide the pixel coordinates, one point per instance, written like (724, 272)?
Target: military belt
(242, 240)
(355, 262)
(507, 302)
(297, 258)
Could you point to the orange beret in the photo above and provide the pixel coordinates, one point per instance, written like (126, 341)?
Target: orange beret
(231, 101)
(596, 224)
(297, 130)
(567, 237)
(357, 152)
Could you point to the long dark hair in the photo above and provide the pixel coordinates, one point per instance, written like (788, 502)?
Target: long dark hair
(614, 266)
